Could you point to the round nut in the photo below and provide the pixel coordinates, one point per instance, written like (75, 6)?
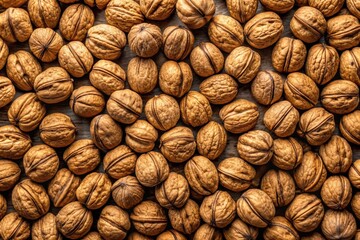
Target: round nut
(195, 13)
(145, 39)
(45, 44)
(267, 87)
(87, 102)
(178, 41)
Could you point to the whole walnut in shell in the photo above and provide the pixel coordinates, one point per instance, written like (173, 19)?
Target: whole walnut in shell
(113, 223)
(44, 13)
(349, 127)
(87, 101)
(278, 6)
(127, 192)
(119, 162)
(13, 226)
(350, 65)
(267, 87)
(338, 225)
(186, 219)
(195, 13)
(195, 109)
(288, 153)
(100, 4)
(12, 3)
(171, 235)
(280, 228)
(354, 174)
(178, 41)
(329, 8)
(141, 136)
(142, 75)
(45, 228)
(242, 10)
(206, 231)
(240, 230)
(7, 91)
(336, 192)
(9, 174)
(14, 143)
(15, 25)
(3, 206)
(145, 39)
(157, 9)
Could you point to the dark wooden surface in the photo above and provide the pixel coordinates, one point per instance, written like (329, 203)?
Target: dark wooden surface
(82, 124)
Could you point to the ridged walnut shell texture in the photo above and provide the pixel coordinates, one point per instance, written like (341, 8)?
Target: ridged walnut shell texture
(145, 39)
(113, 223)
(178, 41)
(328, 7)
(242, 10)
(119, 162)
(127, 192)
(219, 88)
(138, 236)
(74, 220)
(26, 112)
(142, 75)
(13, 226)
(141, 136)
(267, 87)
(92, 235)
(336, 192)
(170, 235)
(195, 109)
(157, 9)
(207, 231)
(4, 53)
(44, 13)
(9, 175)
(87, 101)
(80, 14)
(240, 230)
(338, 224)
(13, 142)
(15, 25)
(12, 3)
(354, 7)
(343, 32)
(30, 199)
(288, 153)
(349, 127)
(100, 4)
(322, 63)
(263, 30)
(350, 65)
(195, 13)
(281, 228)
(278, 6)
(186, 219)
(354, 174)
(45, 228)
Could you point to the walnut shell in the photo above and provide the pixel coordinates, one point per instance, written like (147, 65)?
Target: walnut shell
(267, 87)
(313, 235)
(12, 3)
(354, 7)
(107, 76)
(329, 7)
(281, 228)
(44, 13)
(10, 174)
(178, 144)
(336, 192)
(113, 223)
(343, 32)
(41, 163)
(242, 10)
(206, 59)
(30, 199)
(311, 173)
(127, 192)
(195, 13)
(100, 4)
(62, 188)
(240, 230)
(178, 41)
(142, 74)
(7, 91)
(14, 143)
(349, 127)
(278, 6)
(206, 231)
(170, 235)
(350, 65)
(355, 205)
(338, 225)
(145, 39)
(4, 53)
(263, 30)
(175, 78)
(288, 153)
(74, 221)
(45, 228)
(219, 88)
(186, 219)
(354, 174)
(3, 207)
(82, 156)
(13, 226)
(195, 109)
(15, 25)
(162, 111)
(87, 101)
(57, 130)
(26, 112)
(141, 136)
(134, 235)
(80, 14)
(157, 9)
(119, 162)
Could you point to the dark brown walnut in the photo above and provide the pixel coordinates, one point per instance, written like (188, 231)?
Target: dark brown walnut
(316, 126)
(288, 55)
(343, 32)
(53, 85)
(202, 175)
(162, 111)
(336, 192)
(278, 6)
(145, 39)
(9, 174)
(41, 163)
(15, 25)
(119, 162)
(141, 136)
(338, 225)
(288, 153)
(313, 236)
(311, 174)
(354, 7)
(142, 74)
(305, 212)
(239, 116)
(301, 91)
(349, 127)
(206, 59)
(107, 76)
(242, 10)
(157, 9)
(151, 169)
(13, 142)
(243, 64)
(4, 53)
(45, 44)
(22, 68)
(236, 174)
(113, 223)
(322, 63)
(267, 87)
(329, 7)
(124, 106)
(336, 154)
(123, 14)
(195, 13)
(354, 174)
(13, 226)
(30, 199)
(149, 218)
(105, 41)
(308, 24)
(62, 188)
(134, 235)
(350, 65)
(206, 232)
(240, 230)
(100, 4)
(80, 14)
(219, 88)
(340, 96)
(94, 190)
(178, 144)
(74, 220)
(175, 78)
(280, 187)
(195, 109)
(171, 235)
(3, 206)
(355, 205)
(256, 208)
(45, 228)
(225, 32)
(255, 147)
(127, 192)
(76, 58)
(82, 156)
(57, 130)
(92, 236)
(211, 140)
(44, 13)
(281, 118)
(173, 192)
(105, 132)
(280, 228)
(12, 3)
(178, 41)
(218, 209)
(26, 112)
(263, 30)
(87, 101)
(186, 219)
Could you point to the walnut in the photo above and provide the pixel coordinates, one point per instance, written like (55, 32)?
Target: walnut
(242, 10)
(127, 192)
(45, 44)
(87, 101)
(45, 228)
(349, 127)
(14, 143)
(343, 32)
(13, 226)
(267, 87)
(186, 219)
(206, 231)
(336, 192)
(142, 74)
(157, 9)
(7, 91)
(195, 13)
(206, 59)
(44, 13)
(119, 162)
(240, 230)
(211, 140)
(145, 39)
(288, 153)
(170, 235)
(338, 225)
(195, 109)
(280, 228)
(354, 174)
(178, 41)
(10, 174)
(113, 223)
(141, 136)
(15, 25)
